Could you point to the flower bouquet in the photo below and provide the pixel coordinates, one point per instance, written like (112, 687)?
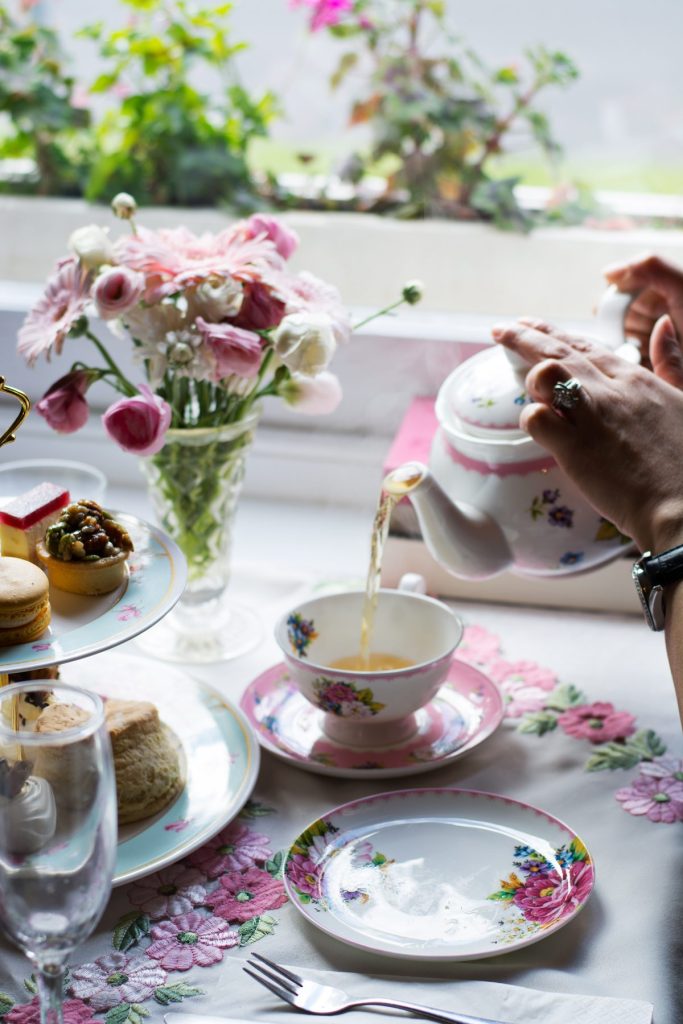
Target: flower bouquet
(217, 323)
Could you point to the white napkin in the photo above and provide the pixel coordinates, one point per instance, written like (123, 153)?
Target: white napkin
(509, 1003)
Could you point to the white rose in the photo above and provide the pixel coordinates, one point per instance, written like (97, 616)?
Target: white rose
(314, 396)
(305, 342)
(93, 246)
(216, 301)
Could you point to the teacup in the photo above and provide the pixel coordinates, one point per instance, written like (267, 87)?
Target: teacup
(363, 708)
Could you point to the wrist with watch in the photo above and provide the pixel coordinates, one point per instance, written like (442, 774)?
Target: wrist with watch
(651, 574)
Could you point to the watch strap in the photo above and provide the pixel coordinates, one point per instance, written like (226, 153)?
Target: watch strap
(665, 568)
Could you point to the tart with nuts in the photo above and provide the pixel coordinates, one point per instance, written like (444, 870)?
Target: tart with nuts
(85, 551)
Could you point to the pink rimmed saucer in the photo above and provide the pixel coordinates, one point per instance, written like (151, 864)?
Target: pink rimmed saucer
(465, 711)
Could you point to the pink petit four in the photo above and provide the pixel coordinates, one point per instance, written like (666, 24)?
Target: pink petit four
(25, 519)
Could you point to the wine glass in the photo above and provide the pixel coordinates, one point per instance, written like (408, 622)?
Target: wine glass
(57, 825)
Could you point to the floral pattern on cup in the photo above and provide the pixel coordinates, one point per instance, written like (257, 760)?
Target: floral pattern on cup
(344, 699)
(301, 633)
(546, 506)
(539, 892)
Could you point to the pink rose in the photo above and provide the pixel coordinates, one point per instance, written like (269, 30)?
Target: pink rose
(233, 350)
(63, 405)
(283, 238)
(138, 424)
(116, 290)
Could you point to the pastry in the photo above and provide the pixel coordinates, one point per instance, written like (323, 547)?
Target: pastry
(25, 519)
(146, 759)
(85, 550)
(70, 769)
(24, 602)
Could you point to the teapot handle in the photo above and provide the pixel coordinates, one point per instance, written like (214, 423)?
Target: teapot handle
(611, 316)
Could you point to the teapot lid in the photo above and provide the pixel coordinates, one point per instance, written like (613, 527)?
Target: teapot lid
(484, 396)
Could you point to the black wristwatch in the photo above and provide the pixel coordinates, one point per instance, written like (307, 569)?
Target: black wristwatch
(651, 573)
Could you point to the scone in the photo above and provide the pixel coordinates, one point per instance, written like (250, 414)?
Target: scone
(70, 769)
(85, 551)
(24, 602)
(146, 759)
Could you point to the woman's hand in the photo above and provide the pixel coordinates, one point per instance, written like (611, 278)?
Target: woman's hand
(622, 443)
(655, 317)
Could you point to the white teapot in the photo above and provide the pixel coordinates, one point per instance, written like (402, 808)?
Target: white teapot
(492, 499)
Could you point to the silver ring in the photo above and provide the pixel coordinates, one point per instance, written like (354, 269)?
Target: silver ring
(567, 394)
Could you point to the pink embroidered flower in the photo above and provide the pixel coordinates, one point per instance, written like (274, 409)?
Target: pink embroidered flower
(303, 874)
(547, 898)
(190, 940)
(597, 722)
(63, 405)
(233, 350)
(116, 290)
(478, 646)
(74, 1011)
(138, 424)
(174, 259)
(116, 978)
(247, 894)
(658, 799)
(662, 767)
(233, 849)
(62, 303)
(168, 893)
(525, 685)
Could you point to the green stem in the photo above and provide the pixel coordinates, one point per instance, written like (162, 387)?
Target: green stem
(126, 387)
(380, 312)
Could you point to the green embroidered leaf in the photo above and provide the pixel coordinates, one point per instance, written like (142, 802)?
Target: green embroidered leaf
(166, 994)
(126, 1013)
(276, 865)
(129, 930)
(6, 1003)
(502, 896)
(256, 928)
(538, 723)
(643, 746)
(31, 985)
(254, 809)
(564, 696)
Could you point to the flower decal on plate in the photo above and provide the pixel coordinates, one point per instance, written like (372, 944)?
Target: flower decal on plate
(344, 699)
(310, 855)
(547, 507)
(301, 633)
(540, 892)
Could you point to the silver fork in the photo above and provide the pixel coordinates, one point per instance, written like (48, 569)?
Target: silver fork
(311, 997)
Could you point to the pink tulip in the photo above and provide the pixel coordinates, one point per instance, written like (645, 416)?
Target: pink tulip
(233, 350)
(116, 290)
(63, 405)
(283, 238)
(139, 424)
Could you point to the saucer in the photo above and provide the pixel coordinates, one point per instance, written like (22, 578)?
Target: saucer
(438, 874)
(465, 711)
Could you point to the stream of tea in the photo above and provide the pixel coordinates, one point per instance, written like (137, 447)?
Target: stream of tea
(395, 486)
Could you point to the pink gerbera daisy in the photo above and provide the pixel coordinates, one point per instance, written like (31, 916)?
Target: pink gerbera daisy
(235, 848)
(190, 940)
(599, 722)
(55, 313)
(548, 897)
(247, 894)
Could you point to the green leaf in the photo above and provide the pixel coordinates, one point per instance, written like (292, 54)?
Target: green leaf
(256, 928)
(276, 865)
(642, 746)
(31, 985)
(129, 930)
(166, 994)
(254, 809)
(538, 723)
(502, 896)
(564, 696)
(126, 1013)
(6, 1003)
(347, 62)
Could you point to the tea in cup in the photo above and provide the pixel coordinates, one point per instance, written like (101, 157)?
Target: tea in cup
(369, 702)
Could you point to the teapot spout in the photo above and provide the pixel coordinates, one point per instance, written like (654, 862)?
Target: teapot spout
(464, 540)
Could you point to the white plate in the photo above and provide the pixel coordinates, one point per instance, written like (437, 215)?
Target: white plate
(438, 874)
(81, 626)
(220, 753)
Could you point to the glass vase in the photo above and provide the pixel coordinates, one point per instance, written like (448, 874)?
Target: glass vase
(194, 485)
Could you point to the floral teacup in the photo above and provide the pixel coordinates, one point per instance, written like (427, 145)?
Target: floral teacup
(364, 708)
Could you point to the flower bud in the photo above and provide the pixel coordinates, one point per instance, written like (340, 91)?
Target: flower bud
(412, 292)
(124, 206)
(93, 246)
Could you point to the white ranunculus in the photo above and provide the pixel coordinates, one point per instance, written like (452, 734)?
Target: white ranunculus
(305, 342)
(314, 396)
(216, 301)
(93, 246)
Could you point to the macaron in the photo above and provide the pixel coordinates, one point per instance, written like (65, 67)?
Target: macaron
(24, 601)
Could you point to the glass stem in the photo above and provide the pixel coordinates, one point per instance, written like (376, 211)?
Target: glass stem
(50, 990)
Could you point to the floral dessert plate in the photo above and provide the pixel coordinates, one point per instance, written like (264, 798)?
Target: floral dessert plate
(465, 711)
(219, 753)
(438, 874)
(81, 626)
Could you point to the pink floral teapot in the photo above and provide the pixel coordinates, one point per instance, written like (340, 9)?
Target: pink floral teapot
(492, 499)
